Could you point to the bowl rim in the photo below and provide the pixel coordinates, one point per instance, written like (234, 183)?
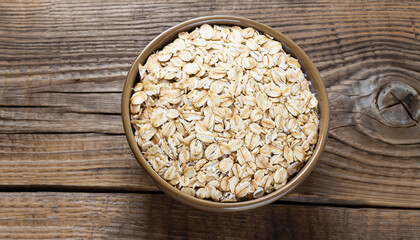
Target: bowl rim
(293, 49)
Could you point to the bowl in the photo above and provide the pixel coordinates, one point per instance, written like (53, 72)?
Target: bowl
(289, 47)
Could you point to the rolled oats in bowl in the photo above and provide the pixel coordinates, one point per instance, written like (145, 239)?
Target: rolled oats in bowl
(224, 113)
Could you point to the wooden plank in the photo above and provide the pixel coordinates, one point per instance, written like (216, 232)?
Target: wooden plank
(57, 120)
(62, 67)
(128, 216)
(97, 161)
(82, 161)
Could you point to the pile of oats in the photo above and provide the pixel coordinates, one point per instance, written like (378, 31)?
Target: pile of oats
(224, 113)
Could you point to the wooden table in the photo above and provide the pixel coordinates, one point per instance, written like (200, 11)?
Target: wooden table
(66, 169)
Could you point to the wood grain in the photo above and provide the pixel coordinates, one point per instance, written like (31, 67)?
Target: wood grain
(63, 64)
(134, 216)
(83, 161)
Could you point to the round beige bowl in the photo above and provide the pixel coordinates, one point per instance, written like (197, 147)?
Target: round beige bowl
(290, 47)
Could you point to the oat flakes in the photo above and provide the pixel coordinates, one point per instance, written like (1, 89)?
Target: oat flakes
(223, 113)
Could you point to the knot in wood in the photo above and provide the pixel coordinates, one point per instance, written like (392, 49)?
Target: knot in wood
(399, 104)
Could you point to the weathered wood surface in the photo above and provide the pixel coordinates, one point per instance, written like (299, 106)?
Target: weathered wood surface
(156, 216)
(63, 64)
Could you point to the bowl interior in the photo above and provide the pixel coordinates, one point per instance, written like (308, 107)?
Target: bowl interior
(290, 47)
